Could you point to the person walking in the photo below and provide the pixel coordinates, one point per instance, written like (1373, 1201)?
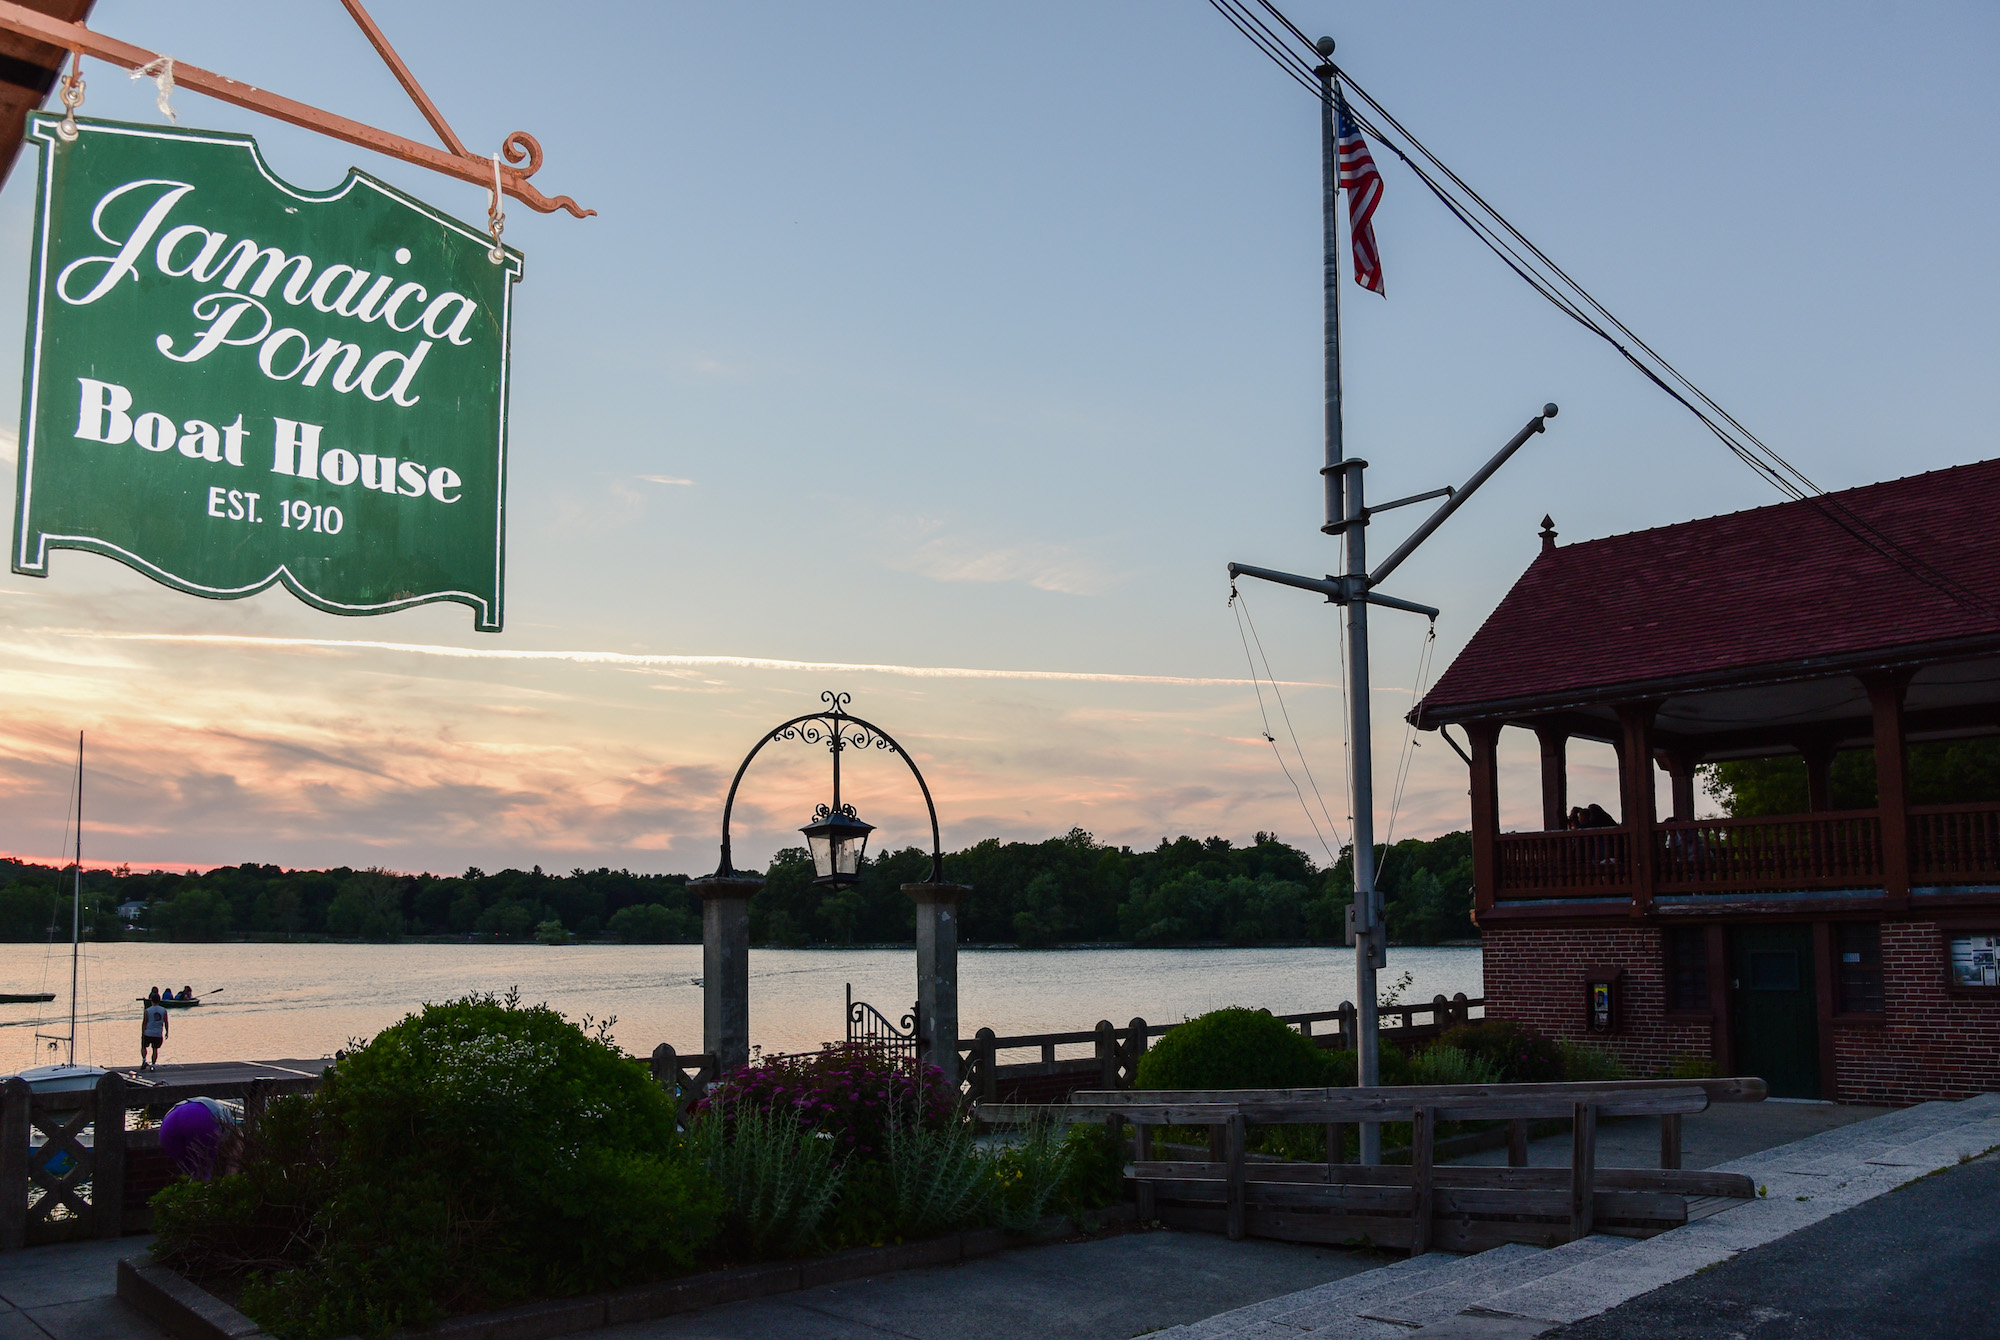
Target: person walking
(153, 1032)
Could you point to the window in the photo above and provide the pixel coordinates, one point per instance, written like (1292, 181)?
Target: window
(1687, 969)
(1974, 959)
(1858, 948)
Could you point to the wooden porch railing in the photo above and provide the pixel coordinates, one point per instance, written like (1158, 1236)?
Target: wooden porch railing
(1954, 844)
(1949, 844)
(1549, 865)
(1801, 851)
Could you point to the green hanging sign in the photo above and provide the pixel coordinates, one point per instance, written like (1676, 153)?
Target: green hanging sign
(232, 382)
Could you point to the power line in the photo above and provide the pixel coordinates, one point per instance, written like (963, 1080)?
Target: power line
(1241, 611)
(1535, 268)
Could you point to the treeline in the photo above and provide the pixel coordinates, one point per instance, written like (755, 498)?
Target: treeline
(1066, 890)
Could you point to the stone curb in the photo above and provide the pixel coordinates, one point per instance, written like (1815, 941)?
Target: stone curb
(186, 1311)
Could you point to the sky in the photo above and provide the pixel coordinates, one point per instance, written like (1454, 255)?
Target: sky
(945, 355)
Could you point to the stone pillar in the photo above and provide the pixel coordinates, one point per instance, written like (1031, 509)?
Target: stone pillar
(1555, 777)
(937, 972)
(725, 968)
(1680, 765)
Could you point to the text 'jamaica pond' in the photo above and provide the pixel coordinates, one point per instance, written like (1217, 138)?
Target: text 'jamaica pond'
(232, 382)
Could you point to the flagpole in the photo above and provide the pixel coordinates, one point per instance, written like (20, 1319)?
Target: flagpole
(1346, 516)
(1330, 283)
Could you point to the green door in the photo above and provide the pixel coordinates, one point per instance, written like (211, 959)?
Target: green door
(1774, 1009)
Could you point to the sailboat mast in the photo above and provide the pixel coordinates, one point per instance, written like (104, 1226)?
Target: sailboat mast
(76, 902)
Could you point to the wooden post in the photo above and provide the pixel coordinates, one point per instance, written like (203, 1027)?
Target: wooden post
(1107, 1072)
(107, 1157)
(255, 1101)
(1679, 765)
(1517, 1143)
(1423, 1133)
(15, 1097)
(1635, 790)
(1142, 1151)
(1885, 700)
(1555, 777)
(1485, 739)
(1826, 977)
(988, 1059)
(665, 1067)
(1235, 1140)
(1347, 1031)
(1135, 1048)
(1583, 1172)
(1336, 1142)
(1818, 753)
(1670, 1140)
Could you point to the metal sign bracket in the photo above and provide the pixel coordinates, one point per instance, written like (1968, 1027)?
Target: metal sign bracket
(521, 152)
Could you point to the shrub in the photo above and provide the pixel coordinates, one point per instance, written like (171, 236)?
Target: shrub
(473, 1155)
(1686, 1065)
(1031, 1172)
(778, 1179)
(1234, 1048)
(848, 1092)
(1440, 1064)
(1517, 1053)
(1582, 1061)
(1391, 1066)
(942, 1180)
(1095, 1172)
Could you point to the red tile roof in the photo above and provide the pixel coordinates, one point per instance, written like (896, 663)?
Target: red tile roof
(1766, 587)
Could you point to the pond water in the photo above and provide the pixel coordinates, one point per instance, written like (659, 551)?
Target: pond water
(271, 1001)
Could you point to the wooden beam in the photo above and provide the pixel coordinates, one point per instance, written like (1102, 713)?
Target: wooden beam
(1485, 740)
(1635, 768)
(1236, 1138)
(1885, 700)
(1582, 1171)
(1555, 776)
(1423, 1133)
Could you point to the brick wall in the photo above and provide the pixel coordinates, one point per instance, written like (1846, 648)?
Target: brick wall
(1537, 977)
(1931, 1043)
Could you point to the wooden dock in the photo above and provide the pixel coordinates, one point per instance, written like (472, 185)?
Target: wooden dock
(218, 1079)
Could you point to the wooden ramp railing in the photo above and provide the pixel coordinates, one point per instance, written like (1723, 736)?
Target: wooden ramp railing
(1424, 1206)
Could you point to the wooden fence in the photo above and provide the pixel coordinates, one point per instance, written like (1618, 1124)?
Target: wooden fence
(1114, 1059)
(66, 1189)
(1424, 1206)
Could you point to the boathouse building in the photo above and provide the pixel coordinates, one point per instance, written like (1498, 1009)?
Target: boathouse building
(1846, 954)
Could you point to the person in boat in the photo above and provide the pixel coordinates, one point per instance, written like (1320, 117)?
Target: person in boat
(187, 993)
(152, 1032)
(153, 996)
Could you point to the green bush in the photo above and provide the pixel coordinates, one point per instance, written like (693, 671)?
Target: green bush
(1234, 1048)
(471, 1156)
(1030, 1173)
(1391, 1066)
(1449, 1065)
(942, 1179)
(1517, 1053)
(1582, 1061)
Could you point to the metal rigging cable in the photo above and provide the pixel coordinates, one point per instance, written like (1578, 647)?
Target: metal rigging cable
(1241, 610)
(1553, 283)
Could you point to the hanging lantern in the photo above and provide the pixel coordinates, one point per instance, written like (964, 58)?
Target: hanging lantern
(838, 839)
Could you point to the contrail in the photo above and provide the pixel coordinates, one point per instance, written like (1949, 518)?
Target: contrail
(664, 662)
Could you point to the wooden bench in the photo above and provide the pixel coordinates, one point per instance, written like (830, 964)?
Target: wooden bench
(1423, 1206)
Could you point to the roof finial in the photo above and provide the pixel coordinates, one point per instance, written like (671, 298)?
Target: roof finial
(1548, 534)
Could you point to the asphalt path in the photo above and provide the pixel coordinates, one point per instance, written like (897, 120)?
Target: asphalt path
(1922, 1261)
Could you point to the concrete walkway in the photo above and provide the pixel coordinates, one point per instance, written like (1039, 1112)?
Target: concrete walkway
(70, 1293)
(1919, 1263)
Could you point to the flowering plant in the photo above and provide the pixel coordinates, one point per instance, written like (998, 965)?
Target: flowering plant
(847, 1093)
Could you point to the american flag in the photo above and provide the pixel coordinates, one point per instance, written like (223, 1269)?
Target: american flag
(1363, 185)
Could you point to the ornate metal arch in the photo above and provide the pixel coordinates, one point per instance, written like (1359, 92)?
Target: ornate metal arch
(838, 730)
